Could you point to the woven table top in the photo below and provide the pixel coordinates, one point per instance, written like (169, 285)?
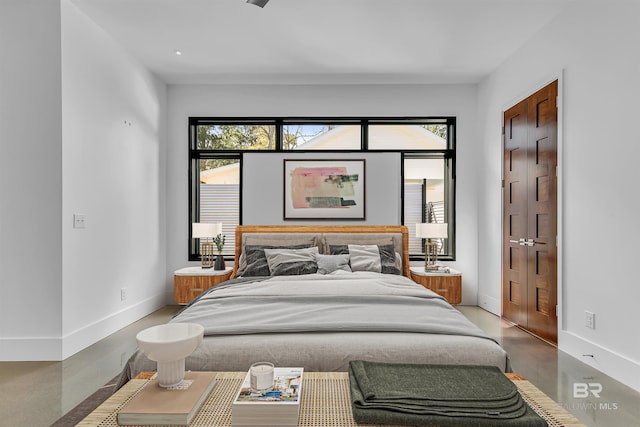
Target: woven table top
(325, 402)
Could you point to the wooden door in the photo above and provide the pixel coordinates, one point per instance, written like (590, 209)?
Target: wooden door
(529, 284)
(515, 258)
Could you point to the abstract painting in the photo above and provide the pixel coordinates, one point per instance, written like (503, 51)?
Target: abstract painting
(324, 189)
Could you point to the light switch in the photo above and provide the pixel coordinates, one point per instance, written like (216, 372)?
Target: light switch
(79, 221)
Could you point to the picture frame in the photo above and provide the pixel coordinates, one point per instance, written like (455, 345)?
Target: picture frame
(324, 189)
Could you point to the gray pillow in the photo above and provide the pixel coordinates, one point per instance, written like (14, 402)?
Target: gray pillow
(330, 263)
(256, 260)
(291, 262)
(377, 258)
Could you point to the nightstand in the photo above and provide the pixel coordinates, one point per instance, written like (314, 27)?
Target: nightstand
(189, 282)
(448, 285)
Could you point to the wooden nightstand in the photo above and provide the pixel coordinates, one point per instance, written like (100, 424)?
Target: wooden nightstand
(449, 285)
(190, 282)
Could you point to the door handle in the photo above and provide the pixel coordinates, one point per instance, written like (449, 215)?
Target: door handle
(524, 242)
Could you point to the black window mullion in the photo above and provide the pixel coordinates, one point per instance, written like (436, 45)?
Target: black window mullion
(279, 134)
(365, 135)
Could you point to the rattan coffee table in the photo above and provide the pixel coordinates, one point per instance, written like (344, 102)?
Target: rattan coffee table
(325, 402)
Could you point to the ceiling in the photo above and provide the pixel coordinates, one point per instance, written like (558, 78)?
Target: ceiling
(322, 41)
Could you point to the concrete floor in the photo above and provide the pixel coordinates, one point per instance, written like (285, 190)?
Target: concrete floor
(555, 372)
(34, 394)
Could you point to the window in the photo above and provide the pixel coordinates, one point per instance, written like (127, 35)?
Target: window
(427, 189)
(321, 136)
(235, 136)
(427, 147)
(218, 196)
(406, 136)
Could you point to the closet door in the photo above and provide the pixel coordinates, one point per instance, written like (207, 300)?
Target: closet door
(529, 288)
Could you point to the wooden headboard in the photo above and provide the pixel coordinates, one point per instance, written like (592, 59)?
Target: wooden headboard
(346, 229)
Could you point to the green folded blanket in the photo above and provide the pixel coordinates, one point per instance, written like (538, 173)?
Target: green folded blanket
(447, 395)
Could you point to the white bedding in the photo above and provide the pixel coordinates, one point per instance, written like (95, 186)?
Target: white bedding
(345, 302)
(320, 322)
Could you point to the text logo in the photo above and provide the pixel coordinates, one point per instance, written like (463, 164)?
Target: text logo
(583, 390)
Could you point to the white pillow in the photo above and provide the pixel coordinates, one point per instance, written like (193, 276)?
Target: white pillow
(330, 263)
(365, 258)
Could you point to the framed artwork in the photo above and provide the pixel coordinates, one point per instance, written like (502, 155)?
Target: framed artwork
(324, 189)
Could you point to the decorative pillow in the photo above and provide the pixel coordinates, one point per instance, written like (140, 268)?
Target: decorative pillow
(291, 262)
(330, 263)
(256, 260)
(334, 239)
(272, 240)
(377, 258)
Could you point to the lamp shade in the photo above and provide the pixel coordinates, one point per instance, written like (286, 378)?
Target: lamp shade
(432, 230)
(201, 230)
(218, 228)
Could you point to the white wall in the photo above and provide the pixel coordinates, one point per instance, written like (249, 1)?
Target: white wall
(114, 118)
(30, 179)
(591, 47)
(328, 101)
(68, 94)
(382, 187)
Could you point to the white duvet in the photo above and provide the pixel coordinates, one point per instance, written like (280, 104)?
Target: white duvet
(320, 322)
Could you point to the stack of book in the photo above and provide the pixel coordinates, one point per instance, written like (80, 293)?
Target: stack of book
(155, 405)
(439, 269)
(278, 407)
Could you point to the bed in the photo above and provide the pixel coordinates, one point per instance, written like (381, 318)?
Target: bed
(293, 300)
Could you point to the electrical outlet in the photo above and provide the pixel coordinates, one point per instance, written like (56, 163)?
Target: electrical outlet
(123, 294)
(589, 320)
(79, 221)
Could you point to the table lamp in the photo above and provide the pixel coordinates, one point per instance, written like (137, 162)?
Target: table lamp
(204, 231)
(431, 230)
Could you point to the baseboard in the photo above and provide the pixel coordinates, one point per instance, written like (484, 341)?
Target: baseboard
(36, 349)
(492, 305)
(83, 337)
(615, 365)
(33, 349)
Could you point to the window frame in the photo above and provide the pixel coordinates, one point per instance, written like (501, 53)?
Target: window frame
(448, 155)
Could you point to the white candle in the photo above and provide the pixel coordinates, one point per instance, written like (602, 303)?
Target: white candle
(261, 376)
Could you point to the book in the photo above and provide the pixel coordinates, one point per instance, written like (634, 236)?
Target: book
(278, 407)
(438, 270)
(155, 405)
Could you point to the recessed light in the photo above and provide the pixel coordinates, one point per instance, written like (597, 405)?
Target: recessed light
(178, 52)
